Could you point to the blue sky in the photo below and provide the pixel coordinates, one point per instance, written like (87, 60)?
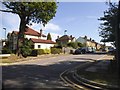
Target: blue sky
(79, 18)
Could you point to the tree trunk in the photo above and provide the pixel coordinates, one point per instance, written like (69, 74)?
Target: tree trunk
(21, 34)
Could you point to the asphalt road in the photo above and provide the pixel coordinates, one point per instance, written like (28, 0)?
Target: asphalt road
(42, 72)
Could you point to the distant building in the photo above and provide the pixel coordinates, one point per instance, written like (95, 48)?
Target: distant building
(63, 40)
(38, 38)
(89, 42)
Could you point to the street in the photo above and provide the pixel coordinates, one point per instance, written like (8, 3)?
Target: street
(43, 73)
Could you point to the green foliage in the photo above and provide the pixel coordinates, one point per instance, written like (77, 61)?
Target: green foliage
(32, 11)
(108, 24)
(34, 52)
(26, 47)
(47, 51)
(37, 12)
(56, 50)
(6, 51)
(72, 44)
(49, 36)
(40, 51)
(80, 44)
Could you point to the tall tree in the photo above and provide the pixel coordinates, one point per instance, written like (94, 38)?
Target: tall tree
(37, 12)
(112, 28)
(49, 36)
(108, 26)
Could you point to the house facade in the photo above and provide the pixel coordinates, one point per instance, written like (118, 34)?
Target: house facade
(63, 40)
(89, 42)
(38, 39)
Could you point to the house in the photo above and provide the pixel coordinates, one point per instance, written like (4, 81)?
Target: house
(63, 40)
(89, 42)
(38, 38)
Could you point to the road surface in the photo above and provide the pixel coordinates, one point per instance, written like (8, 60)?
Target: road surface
(43, 73)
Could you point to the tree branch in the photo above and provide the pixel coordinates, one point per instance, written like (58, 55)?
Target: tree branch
(8, 11)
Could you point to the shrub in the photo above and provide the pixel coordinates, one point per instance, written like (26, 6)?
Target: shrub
(56, 50)
(26, 48)
(47, 51)
(40, 51)
(6, 51)
(72, 44)
(34, 52)
(80, 44)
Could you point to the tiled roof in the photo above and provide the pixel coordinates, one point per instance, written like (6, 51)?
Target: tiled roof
(30, 31)
(42, 41)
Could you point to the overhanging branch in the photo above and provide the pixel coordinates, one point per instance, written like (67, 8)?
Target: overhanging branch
(8, 11)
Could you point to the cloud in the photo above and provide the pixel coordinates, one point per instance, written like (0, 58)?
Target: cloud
(54, 36)
(52, 27)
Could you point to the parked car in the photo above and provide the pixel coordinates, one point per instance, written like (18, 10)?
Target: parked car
(84, 50)
(80, 51)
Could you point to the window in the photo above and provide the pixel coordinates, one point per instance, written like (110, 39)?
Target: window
(39, 46)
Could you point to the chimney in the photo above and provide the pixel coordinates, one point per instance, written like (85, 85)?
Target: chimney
(57, 37)
(40, 32)
(85, 37)
(71, 36)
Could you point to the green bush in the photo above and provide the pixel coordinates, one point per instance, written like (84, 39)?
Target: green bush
(72, 44)
(47, 51)
(40, 51)
(6, 51)
(56, 50)
(26, 48)
(34, 52)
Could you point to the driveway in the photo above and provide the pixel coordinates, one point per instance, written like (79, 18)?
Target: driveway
(42, 73)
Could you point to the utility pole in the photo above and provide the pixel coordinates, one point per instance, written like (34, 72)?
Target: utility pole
(5, 33)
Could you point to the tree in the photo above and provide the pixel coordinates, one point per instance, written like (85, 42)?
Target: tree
(80, 44)
(73, 44)
(112, 18)
(49, 36)
(108, 25)
(26, 48)
(37, 12)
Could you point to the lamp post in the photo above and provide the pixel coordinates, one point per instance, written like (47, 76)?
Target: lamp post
(5, 33)
(65, 31)
(64, 44)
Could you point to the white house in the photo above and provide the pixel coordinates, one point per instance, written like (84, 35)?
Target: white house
(38, 38)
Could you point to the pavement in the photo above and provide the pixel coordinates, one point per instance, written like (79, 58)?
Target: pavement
(78, 82)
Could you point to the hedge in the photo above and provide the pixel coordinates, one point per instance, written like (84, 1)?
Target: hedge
(56, 50)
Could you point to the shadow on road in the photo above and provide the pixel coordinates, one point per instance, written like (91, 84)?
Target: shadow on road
(35, 76)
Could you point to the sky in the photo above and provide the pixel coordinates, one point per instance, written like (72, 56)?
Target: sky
(78, 18)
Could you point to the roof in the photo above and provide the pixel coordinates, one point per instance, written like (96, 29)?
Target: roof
(16, 32)
(42, 41)
(66, 37)
(30, 31)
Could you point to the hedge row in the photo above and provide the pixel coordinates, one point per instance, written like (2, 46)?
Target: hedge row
(56, 50)
(36, 52)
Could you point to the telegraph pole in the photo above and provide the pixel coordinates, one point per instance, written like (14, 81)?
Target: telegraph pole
(5, 33)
